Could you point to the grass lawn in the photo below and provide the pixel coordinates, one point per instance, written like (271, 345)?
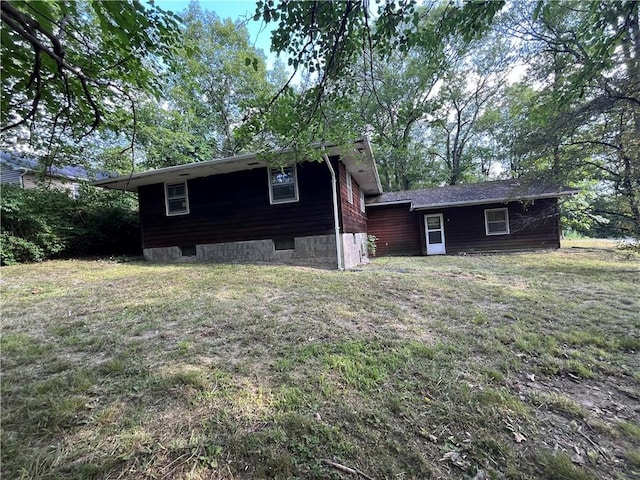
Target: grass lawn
(519, 366)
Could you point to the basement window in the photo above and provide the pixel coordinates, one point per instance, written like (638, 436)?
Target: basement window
(177, 198)
(284, 243)
(283, 185)
(188, 250)
(496, 221)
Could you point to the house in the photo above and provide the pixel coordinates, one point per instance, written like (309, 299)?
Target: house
(319, 213)
(245, 209)
(483, 217)
(28, 172)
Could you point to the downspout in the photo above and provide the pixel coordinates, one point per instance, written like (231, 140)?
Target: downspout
(336, 218)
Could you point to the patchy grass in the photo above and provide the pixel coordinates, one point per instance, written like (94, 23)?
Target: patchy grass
(561, 467)
(523, 366)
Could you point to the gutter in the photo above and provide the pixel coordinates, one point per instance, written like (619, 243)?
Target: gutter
(336, 218)
(492, 200)
(384, 204)
(367, 144)
(464, 203)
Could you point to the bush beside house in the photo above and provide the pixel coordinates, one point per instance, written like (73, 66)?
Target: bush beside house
(39, 224)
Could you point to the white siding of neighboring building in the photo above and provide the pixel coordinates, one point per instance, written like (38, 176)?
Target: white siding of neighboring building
(10, 176)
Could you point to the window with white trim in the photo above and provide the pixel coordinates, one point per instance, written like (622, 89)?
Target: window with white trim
(176, 198)
(283, 185)
(349, 188)
(496, 221)
(362, 206)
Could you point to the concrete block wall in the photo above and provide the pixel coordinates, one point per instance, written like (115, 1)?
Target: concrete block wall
(315, 251)
(354, 247)
(166, 255)
(255, 251)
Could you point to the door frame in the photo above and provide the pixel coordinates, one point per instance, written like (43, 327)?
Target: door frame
(441, 230)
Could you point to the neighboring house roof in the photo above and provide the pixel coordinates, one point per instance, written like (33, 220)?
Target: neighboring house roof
(26, 164)
(357, 157)
(472, 194)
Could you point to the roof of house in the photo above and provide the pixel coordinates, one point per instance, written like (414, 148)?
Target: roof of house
(500, 191)
(17, 161)
(357, 157)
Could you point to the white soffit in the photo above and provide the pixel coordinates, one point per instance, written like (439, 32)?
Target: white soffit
(357, 157)
(359, 162)
(178, 173)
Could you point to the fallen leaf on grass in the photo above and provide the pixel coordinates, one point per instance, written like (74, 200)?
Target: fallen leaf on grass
(481, 475)
(577, 459)
(456, 458)
(430, 436)
(518, 437)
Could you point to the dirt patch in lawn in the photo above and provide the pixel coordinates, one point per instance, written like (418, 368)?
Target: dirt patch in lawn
(582, 418)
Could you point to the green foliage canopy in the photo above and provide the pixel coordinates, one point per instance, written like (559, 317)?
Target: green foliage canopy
(328, 38)
(70, 67)
(217, 78)
(584, 122)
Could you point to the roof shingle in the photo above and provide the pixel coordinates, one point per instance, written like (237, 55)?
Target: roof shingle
(18, 161)
(472, 194)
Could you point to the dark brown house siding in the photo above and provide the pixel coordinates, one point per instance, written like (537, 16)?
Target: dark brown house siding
(401, 232)
(397, 230)
(534, 225)
(235, 207)
(353, 220)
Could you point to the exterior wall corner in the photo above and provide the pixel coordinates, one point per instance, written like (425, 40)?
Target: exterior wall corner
(354, 249)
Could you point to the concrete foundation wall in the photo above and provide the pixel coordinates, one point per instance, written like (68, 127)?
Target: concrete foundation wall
(256, 251)
(315, 251)
(354, 249)
(167, 255)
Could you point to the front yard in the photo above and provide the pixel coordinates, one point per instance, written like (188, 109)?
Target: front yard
(518, 366)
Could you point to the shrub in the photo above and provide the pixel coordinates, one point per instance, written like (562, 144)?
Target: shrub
(38, 224)
(18, 250)
(105, 223)
(32, 227)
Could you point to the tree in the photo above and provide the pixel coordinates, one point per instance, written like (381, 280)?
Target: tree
(218, 76)
(396, 97)
(71, 67)
(587, 115)
(326, 38)
(468, 91)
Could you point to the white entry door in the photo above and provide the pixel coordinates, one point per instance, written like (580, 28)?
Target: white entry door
(434, 230)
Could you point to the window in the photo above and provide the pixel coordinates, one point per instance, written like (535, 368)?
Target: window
(496, 221)
(188, 250)
(283, 185)
(285, 243)
(177, 198)
(362, 206)
(349, 188)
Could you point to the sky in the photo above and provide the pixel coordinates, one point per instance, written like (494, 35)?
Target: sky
(236, 10)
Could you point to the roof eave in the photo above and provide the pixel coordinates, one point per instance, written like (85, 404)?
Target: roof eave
(385, 204)
(123, 181)
(208, 167)
(493, 200)
(374, 167)
(430, 206)
(358, 155)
